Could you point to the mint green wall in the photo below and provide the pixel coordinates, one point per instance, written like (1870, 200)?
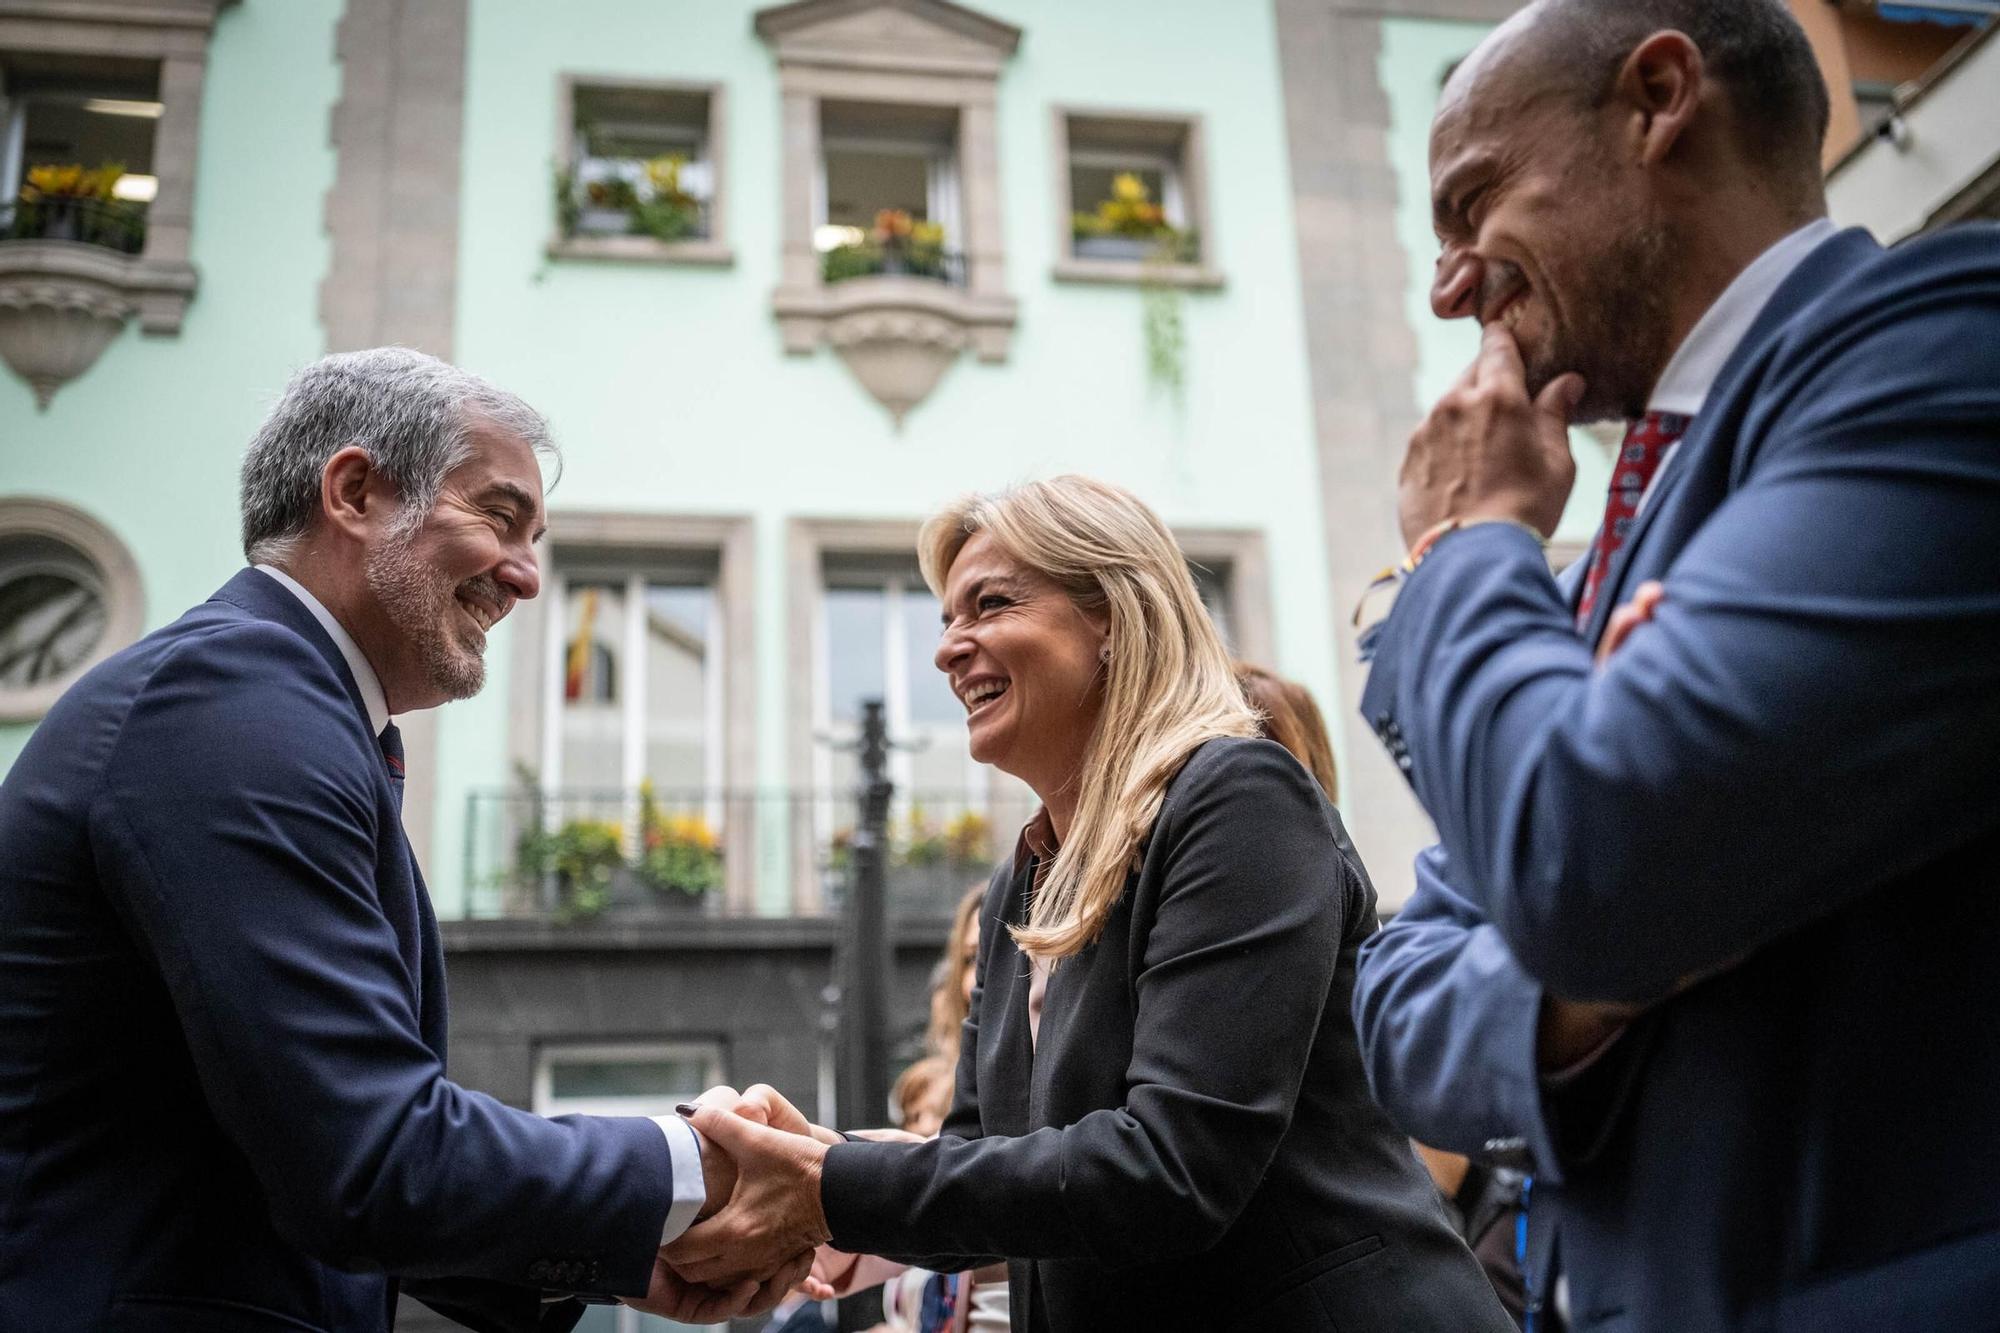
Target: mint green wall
(670, 392)
(148, 439)
(1415, 55)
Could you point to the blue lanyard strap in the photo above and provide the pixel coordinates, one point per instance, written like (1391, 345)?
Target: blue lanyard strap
(1521, 1256)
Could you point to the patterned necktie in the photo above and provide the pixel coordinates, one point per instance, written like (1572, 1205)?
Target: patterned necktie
(392, 754)
(1647, 441)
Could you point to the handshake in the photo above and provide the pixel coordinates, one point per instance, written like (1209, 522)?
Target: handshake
(757, 1235)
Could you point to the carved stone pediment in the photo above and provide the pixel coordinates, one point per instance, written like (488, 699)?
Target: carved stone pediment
(916, 35)
(61, 303)
(897, 335)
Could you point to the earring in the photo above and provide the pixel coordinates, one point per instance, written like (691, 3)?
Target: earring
(1104, 653)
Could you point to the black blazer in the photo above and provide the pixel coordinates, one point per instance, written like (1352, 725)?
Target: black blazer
(1191, 1145)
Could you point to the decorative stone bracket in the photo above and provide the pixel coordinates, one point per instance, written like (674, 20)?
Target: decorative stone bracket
(897, 335)
(61, 303)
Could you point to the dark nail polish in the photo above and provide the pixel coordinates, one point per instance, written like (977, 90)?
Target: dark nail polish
(684, 1109)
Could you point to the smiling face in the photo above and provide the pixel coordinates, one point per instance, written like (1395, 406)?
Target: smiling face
(444, 586)
(1025, 661)
(1545, 230)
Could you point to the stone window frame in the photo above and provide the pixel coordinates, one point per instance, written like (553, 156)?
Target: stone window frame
(712, 250)
(1205, 273)
(156, 284)
(897, 334)
(124, 592)
(810, 540)
(731, 539)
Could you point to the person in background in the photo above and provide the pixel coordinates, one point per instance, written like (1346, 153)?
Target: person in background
(951, 993)
(1293, 720)
(922, 1095)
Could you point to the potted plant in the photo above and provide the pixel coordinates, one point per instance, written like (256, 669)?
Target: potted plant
(582, 856)
(1130, 226)
(627, 199)
(76, 203)
(897, 245)
(680, 858)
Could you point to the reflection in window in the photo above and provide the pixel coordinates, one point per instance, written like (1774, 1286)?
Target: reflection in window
(641, 685)
(52, 610)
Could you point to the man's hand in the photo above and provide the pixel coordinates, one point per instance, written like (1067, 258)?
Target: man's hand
(774, 1216)
(1488, 451)
(672, 1296)
(1571, 1030)
(1645, 600)
(767, 1106)
(718, 1172)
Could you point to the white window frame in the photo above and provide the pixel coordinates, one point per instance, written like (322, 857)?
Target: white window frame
(941, 185)
(712, 178)
(550, 1054)
(632, 682)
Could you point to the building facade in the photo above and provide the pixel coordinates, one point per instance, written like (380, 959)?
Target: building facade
(783, 278)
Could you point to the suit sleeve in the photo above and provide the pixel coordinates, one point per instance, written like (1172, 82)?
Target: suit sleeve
(1247, 921)
(237, 833)
(1815, 709)
(1447, 1025)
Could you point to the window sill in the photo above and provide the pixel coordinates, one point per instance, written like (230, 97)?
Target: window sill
(643, 250)
(1138, 273)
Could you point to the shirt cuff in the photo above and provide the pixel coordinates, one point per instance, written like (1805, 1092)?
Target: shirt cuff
(690, 1186)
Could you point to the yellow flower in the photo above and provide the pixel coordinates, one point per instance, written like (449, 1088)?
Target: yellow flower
(1126, 187)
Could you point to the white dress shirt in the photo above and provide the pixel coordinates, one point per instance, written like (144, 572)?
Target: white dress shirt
(690, 1187)
(1697, 363)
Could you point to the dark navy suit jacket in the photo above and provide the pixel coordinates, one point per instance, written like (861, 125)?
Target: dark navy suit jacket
(1788, 785)
(222, 1024)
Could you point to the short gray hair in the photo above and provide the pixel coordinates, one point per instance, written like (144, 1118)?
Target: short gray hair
(411, 412)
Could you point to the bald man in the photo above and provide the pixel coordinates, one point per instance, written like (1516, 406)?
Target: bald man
(1707, 938)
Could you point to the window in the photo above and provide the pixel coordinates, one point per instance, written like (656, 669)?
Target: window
(625, 1079)
(640, 173)
(76, 148)
(69, 597)
(888, 197)
(85, 86)
(890, 171)
(1132, 190)
(637, 694)
(878, 636)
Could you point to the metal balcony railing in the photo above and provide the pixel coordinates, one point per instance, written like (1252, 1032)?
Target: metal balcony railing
(580, 855)
(872, 260)
(114, 224)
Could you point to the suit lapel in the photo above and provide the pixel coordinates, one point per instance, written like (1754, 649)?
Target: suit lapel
(1739, 377)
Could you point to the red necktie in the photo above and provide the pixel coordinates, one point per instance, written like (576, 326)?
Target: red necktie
(1647, 441)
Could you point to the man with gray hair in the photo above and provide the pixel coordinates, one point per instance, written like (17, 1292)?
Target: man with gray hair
(1706, 941)
(222, 1011)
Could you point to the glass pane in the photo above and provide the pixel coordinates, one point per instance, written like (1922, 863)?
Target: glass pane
(668, 1077)
(593, 727)
(52, 612)
(855, 619)
(861, 182)
(1212, 582)
(677, 688)
(931, 699)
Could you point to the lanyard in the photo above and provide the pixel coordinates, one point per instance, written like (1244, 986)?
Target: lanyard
(1521, 1256)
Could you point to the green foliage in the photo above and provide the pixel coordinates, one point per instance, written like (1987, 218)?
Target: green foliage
(677, 853)
(582, 854)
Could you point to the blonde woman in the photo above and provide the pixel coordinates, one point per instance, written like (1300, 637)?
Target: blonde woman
(1161, 1119)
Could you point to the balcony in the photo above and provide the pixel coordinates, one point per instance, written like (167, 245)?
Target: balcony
(640, 857)
(869, 260)
(113, 224)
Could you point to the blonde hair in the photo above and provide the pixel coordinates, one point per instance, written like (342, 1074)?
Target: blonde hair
(1168, 683)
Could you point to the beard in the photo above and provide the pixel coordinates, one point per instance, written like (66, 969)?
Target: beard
(423, 606)
(1617, 336)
